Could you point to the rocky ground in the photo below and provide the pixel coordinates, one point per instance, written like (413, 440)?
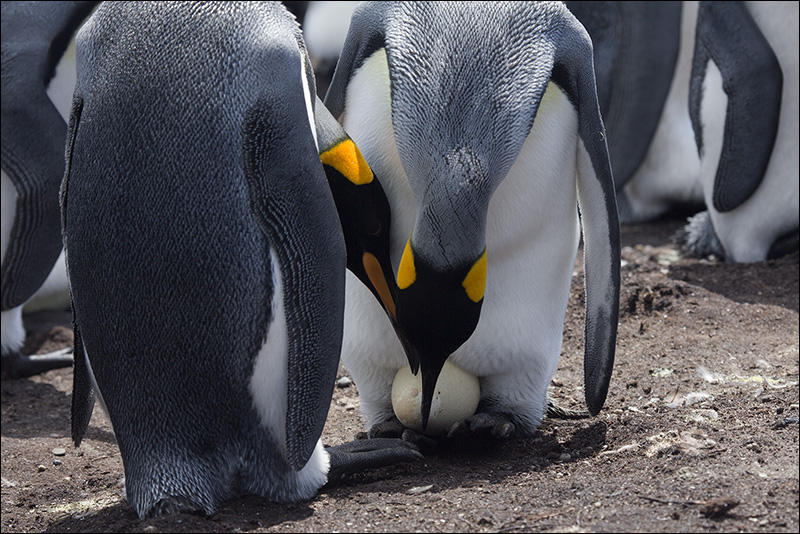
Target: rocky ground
(699, 432)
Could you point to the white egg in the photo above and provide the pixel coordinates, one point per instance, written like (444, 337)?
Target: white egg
(455, 398)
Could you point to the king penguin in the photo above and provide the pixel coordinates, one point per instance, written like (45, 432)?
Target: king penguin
(37, 84)
(643, 59)
(482, 120)
(744, 109)
(325, 27)
(205, 257)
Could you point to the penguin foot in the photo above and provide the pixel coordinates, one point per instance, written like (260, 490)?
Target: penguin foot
(360, 455)
(15, 365)
(477, 431)
(391, 428)
(483, 425)
(480, 431)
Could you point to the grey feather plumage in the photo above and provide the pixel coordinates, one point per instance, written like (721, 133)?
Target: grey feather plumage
(466, 81)
(192, 176)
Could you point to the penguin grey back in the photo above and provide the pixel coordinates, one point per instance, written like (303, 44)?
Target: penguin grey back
(202, 241)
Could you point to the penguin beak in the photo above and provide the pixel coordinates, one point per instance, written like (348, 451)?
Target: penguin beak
(436, 313)
(431, 367)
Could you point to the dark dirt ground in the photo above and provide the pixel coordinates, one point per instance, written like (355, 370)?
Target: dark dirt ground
(702, 410)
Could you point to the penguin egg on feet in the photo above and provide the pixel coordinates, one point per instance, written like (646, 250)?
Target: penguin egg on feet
(455, 398)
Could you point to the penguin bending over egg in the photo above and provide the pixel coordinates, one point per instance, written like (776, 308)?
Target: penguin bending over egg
(482, 121)
(744, 109)
(205, 256)
(35, 36)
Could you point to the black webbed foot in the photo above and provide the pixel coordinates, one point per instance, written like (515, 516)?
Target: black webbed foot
(361, 454)
(15, 365)
(483, 425)
(478, 431)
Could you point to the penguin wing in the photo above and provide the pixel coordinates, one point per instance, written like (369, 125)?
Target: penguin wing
(34, 37)
(752, 79)
(635, 52)
(82, 391)
(365, 36)
(294, 207)
(573, 71)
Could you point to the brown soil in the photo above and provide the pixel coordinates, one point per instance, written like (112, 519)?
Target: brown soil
(699, 432)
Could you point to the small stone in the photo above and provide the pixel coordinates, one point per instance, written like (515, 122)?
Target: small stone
(418, 489)
(344, 382)
(59, 451)
(57, 462)
(41, 468)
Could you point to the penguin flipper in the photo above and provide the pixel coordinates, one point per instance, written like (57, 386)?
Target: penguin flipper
(635, 55)
(288, 193)
(82, 390)
(33, 157)
(573, 71)
(753, 82)
(363, 454)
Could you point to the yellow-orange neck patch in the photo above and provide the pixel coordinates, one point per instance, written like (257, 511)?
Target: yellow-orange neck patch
(347, 159)
(406, 273)
(475, 281)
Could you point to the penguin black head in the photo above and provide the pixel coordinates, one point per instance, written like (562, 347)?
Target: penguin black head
(365, 217)
(438, 311)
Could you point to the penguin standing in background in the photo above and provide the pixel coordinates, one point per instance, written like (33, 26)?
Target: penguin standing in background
(643, 58)
(325, 27)
(482, 120)
(205, 257)
(37, 84)
(744, 109)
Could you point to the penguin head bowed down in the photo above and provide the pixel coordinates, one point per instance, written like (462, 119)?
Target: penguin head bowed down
(205, 257)
(466, 81)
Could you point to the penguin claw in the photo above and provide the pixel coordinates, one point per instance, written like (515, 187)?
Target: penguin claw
(392, 428)
(490, 424)
(420, 440)
(458, 430)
